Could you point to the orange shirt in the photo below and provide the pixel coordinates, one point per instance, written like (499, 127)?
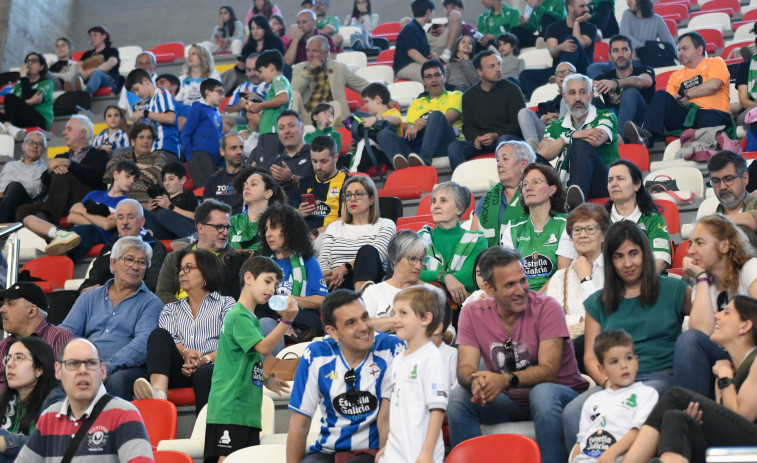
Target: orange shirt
(709, 68)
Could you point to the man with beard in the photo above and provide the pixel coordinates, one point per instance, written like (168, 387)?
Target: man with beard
(729, 178)
(220, 185)
(627, 89)
(585, 143)
(293, 163)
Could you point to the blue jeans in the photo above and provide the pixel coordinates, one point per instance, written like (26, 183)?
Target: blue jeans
(167, 224)
(121, 382)
(693, 357)
(90, 236)
(434, 140)
(632, 108)
(660, 381)
(665, 114)
(98, 79)
(460, 151)
(546, 400)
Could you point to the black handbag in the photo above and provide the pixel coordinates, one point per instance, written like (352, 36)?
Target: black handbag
(656, 54)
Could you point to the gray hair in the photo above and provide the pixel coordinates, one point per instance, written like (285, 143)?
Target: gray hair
(131, 202)
(587, 80)
(309, 12)
(324, 43)
(569, 65)
(150, 55)
(85, 124)
(496, 256)
(406, 243)
(460, 193)
(521, 150)
(42, 313)
(128, 243)
(41, 135)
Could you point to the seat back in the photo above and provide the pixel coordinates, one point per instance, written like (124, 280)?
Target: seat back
(743, 33)
(711, 19)
(424, 177)
(7, 145)
(198, 431)
(672, 10)
(405, 92)
(687, 178)
(160, 419)
(750, 15)
(682, 250)
(638, 154)
(544, 93)
(601, 52)
(378, 73)
(537, 58)
(386, 58)
(269, 452)
(128, 56)
(479, 175)
(494, 447)
(672, 27)
(168, 52)
(356, 58)
(388, 31)
(732, 49)
(661, 80)
(171, 456)
(712, 37)
(55, 269)
(390, 207)
(670, 214)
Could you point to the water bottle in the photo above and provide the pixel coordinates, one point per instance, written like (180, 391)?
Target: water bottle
(279, 301)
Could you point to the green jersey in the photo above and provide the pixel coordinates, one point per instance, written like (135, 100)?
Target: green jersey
(243, 233)
(498, 23)
(554, 8)
(332, 21)
(268, 118)
(654, 227)
(236, 393)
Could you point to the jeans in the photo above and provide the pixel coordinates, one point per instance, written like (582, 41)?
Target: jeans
(693, 357)
(531, 79)
(632, 108)
(435, 139)
(15, 195)
(587, 170)
(595, 69)
(530, 124)
(665, 114)
(167, 224)
(97, 80)
(546, 400)
(121, 382)
(460, 151)
(90, 236)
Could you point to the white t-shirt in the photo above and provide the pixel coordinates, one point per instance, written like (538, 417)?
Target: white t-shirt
(746, 277)
(609, 414)
(379, 299)
(420, 383)
(450, 358)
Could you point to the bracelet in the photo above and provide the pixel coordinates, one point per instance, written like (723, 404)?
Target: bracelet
(184, 351)
(701, 279)
(286, 322)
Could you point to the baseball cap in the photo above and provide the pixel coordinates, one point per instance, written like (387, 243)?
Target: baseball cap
(28, 291)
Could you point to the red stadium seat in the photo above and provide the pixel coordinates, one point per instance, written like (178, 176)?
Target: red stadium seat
(638, 154)
(681, 251)
(76, 56)
(672, 27)
(354, 100)
(601, 52)
(160, 419)
(732, 50)
(346, 140)
(415, 226)
(386, 58)
(53, 270)
(388, 31)
(714, 5)
(661, 80)
(670, 214)
(168, 52)
(171, 456)
(492, 448)
(102, 91)
(94, 251)
(672, 10)
(424, 207)
(181, 396)
(426, 218)
(410, 183)
(713, 38)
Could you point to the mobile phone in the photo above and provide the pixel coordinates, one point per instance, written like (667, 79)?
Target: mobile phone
(155, 191)
(435, 26)
(308, 198)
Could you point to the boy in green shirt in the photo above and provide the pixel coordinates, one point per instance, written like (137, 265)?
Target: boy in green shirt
(278, 98)
(497, 20)
(236, 394)
(323, 119)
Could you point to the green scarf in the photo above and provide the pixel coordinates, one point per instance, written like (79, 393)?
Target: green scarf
(463, 249)
(489, 219)
(299, 275)
(752, 80)
(740, 376)
(691, 114)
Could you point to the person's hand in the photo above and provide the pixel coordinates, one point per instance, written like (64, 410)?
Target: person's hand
(544, 142)
(161, 201)
(306, 209)
(608, 456)
(188, 370)
(292, 309)
(487, 139)
(490, 385)
(436, 32)
(295, 34)
(549, 117)
(281, 172)
(336, 277)
(276, 385)
(569, 46)
(78, 208)
(254, 107)
(193, 358)
(433, 56)
(369, 122)
(379, 454)
(456, 289)
(60, 170)
(595, 137)
(682, 100)
(315, 63)
(693, 411)
(723, 369)
(584, 18)
(605, 86)
(136, 116)
(691, 268)
(411, 132)
(582, 267)
(240, 64)
(23, 70)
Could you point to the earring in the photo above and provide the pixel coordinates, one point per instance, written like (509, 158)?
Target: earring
(204, 283)
(38, 375)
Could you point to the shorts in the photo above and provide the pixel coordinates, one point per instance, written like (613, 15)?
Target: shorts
(223, 439)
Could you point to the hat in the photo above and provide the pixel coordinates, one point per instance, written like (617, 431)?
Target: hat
(28, 291)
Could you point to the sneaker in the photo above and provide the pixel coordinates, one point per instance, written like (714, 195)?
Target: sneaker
(17, 133)
(575, 197)
(541, 43)
(399, 162)
(143, 390)
(62, 243)
(446, 55)
(79, 84)
(636, 134)
(68, 86)
(413, 160)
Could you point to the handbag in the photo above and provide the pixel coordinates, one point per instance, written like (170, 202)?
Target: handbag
(285, 368)
(76, 441)
(666, 184)
(656, 54)
(93, 62)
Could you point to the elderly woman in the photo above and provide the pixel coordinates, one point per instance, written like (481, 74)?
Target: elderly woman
(540, 235)
(407, 255)
(198, 67)
(30, 102)
(181, 351)
(354, 249)
(629, 200)
(150, 163)
(451, 249)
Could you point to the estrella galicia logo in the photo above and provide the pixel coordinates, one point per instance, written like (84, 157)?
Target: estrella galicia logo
(537, 265)
(257, 374)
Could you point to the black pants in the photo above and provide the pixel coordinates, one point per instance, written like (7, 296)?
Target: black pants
(680, 434)
(201, 165)
(367, 267)
(164, 358)
(605, 20)
(665, 114)
(14, 196)
(526, 38)
(65, 191)
(20, 114)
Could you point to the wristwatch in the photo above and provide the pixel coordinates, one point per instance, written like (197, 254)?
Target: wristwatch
(146, 114)
(724, 382)
(588, 278)
(514, 381)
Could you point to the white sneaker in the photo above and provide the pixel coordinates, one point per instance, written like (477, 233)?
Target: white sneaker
(61, 244)
(446, 55)
(17, 133)
(143, 390)
(541, 43)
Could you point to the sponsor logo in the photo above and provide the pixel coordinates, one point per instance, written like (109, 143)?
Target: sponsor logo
(552, 240)
(537, 265)
(97, 438)
(225, 438)
(597, 443)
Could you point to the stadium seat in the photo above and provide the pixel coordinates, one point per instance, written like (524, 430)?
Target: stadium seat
(405, 92)
(53, 270)
(706, 207)
(168, 52)
(601, 52)
(76, 56)
(544, 93)
(269, 452)
(160, 419)
(670, 213)
(171, 456)
(672, 27)
(353, 59)
(53, 151)
(195, 444)
(675, 11)
(388, 31)
(479, 175)
(410, 183)
(661, 80)
(128, 56)
(638, 154)
(199, 192)
(415, 226)
(424, 218)
(224, 104)
(181, 396)
(346, 32)
(346, 140)
(743, 33)
(377, 73)
(710, 19)
(385, 58)
(354, 100)
(713, 38)
(682, 250)
(715, 5)
(8, 145)
(688, 179)
(732, 49)
(424, 207)
(492, 448)
(390, 207)
(537, 58)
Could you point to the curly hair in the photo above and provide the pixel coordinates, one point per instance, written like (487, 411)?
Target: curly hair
(643, 199)
(739, 248)
(206, 60)
(557, 200)
(293, 227)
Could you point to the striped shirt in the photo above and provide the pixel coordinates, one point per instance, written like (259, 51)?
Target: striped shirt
(117, 435)
(201, 333)
(119, 139)
(168, 134)
(248, 87)
(342, 241)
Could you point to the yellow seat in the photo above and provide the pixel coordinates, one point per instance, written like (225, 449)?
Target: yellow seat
(53, 151)
(221, 68)
(100, 127)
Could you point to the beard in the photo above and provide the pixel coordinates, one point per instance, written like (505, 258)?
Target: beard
(729, 200)
(578, 112)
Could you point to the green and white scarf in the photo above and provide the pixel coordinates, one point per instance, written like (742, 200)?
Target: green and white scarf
(752, 81)
(435, 261)
(299, 275)
(489, 219)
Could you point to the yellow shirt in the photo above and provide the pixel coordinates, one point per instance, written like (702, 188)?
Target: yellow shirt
(447, 100)
(396, 113)
(709, 68)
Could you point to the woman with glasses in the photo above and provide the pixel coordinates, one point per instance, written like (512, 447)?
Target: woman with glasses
(354, 249)
(30, 102)
(540, 234)
(30, 371)
(259, 191)
(629, 200)
(722, 264)
(181, 351)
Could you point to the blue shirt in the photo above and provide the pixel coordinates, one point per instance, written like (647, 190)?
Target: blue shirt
(102, 197)
(412, 37)
(315, 284)
(168, 134)
(202, 131)
(119, 332)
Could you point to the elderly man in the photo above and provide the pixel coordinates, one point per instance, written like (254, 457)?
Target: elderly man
(321, 80)
(119, 316)
(220, 186)
(24, 313)
(21, 181)
(502, 203)
(71, 175)
(294, 162)
(585, 143)
(354, 352)
(703, 82)
(299, 36)
(532, 124)
(129, 102)
(534, 372)
(116, 434)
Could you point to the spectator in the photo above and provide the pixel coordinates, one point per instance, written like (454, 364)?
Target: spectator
(630, 200)
(173, 207)
(171, 83)
(112, 137)
(227, 34)
(182, 349)
(498, 19)
(128, 101)
(642, 25)
(376, 98)
(293, 163)
(278, 98)
(64, 69)
(30, 102)
(583, 156)
(259, 191)
(503, 202)
(220, 186)
(540, 234)
(534, 371)
(321, 80)
(443, 37)
(261, 38)
(198, 67)
(703, 82)
(253, 88)
(24, 313)
(354, 249)
(412, 45)
(490, 112)
(603, 16)
(432, 123)
(746, 85)
(451, 249)
(97, 68)
(21, 181)
(729, 179)
(362, 16)
(121, 337)
(461, 74)
(150, 162)
(266, 8)
(353, 347)
(509, 49)
(202, 133)
(323, 119)
(532, 125)
(278, 26)
(300, 34)
(327, 25)
(160, 113)
(119, 421)
(535, 25)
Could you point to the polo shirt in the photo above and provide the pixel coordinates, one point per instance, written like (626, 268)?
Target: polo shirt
(412, 37)
(445, 101)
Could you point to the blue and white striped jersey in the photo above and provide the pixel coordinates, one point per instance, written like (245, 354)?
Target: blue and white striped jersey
(168, 134)
(119, 139)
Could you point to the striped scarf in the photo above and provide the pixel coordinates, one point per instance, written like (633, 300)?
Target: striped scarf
(752, 80)
(299, 275)
(435, 261)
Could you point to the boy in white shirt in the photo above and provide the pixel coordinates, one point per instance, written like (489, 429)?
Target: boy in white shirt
(611, 419)
(420, 380)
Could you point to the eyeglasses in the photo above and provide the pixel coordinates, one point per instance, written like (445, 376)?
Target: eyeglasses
(534, 183)
(727, 180)
(509, 355)
(356, 195)
(590, 230)
(564, 72)
(187, 268)
(220, 228)
(73, 365)
(412, 260)
(38, 144)
(219, 91)
(17, 358)
(722, 301)
(130, 262)
(32, 60)
(433, 76)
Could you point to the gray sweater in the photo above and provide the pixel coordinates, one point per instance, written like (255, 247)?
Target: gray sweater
(642, 30)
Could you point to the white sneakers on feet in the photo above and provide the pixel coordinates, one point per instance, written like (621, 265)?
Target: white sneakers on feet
(62, 243)
(143, 390)
(17, 133)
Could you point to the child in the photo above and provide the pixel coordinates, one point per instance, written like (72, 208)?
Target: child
(478, 283)
(160, 112)
(175, 207)
(112, 137)
(201, 135)
(511, 65)
(376, 97)
(236, 394)
(92, 218)
(461, 73)
(323, 119)
(278, 98)
(449, 353)
(611, 418)
(420, 378)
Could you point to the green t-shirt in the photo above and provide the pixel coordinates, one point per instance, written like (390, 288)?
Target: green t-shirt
(268, 118)
(45, 109)
(654, 329)
(496, 24)
(554, 8)
(243, 233)
(444, 245)
(309, 137)
(332, 21)
(236, 393)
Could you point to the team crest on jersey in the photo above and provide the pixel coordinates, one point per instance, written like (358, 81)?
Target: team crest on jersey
(334, 192)
(373, 369)
(552, 240)
(97, 438)
(537, 265)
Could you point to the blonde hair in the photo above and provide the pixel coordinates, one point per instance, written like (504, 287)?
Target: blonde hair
(739, 248)
(370, 187)
(424, 299)
(206, 60)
